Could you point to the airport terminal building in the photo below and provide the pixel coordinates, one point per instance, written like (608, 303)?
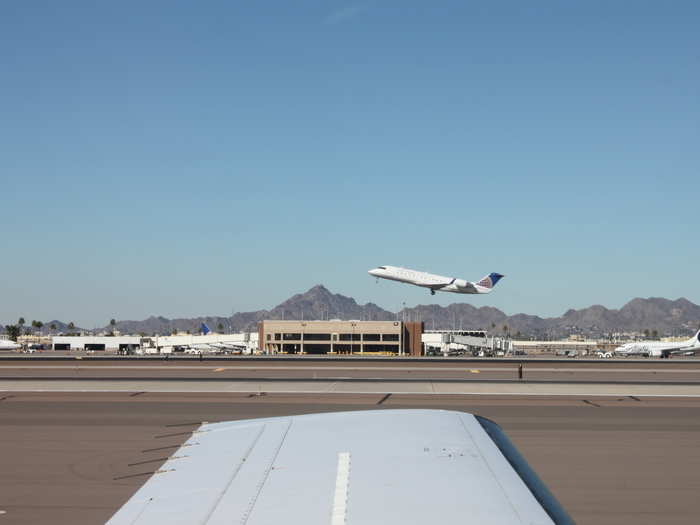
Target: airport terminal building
(340, 337)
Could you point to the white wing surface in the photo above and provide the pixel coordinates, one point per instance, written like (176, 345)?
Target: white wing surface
(383, 467)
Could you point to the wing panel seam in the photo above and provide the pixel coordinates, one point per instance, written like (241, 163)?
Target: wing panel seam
(254, 499)
(235, 473)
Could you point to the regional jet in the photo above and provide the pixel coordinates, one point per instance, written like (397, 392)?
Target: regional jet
(436, 283)
(6, 344)
(660, 349)
(233, 346)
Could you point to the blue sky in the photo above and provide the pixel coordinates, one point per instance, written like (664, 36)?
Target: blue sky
(177, 158)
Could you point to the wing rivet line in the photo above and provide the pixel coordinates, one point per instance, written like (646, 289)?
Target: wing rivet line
(340, 498)
(266, 473)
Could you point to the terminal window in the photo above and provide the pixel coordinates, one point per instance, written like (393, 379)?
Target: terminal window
(317, 337)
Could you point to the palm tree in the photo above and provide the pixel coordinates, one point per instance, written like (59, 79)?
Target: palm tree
(13, 331)
(36, 325)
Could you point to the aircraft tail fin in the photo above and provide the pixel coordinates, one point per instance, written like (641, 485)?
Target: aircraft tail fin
(490, 280)
(204, 329)
(696, 338)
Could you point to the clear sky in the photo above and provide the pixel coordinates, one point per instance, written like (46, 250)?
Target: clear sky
(184, 158)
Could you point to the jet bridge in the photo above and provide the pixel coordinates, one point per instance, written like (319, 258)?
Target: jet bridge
(465, 342)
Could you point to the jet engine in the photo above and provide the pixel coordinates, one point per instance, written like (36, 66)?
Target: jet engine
(461, 283)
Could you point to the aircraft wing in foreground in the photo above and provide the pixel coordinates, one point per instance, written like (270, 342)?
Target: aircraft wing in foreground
(389, 467)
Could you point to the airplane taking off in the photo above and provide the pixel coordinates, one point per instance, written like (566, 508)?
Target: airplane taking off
(660, 349)
(436, 283)
(6, 344)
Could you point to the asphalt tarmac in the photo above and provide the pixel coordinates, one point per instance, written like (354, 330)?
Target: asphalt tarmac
(571, 371)
(75, 458)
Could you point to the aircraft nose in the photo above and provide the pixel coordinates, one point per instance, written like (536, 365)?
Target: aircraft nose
(373, 271)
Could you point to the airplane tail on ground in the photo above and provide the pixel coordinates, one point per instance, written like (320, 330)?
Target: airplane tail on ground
(696, 338)
(490, 280)
(204, 329)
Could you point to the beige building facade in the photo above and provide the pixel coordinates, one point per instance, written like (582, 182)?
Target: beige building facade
(340, 337)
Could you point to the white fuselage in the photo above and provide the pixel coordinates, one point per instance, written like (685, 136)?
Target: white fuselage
(6, 344)
(404, 275)
(659, 348)
(432, 281)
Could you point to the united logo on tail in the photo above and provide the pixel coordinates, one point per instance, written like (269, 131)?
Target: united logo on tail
(490, 280)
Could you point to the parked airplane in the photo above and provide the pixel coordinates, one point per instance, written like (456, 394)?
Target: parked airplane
(216, 346)
(436, 282)
(6, 344)
(660, 349)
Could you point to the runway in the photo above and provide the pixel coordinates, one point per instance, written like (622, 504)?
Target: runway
(686, 372)
(78, 438)
(434, 388)
(74, 458)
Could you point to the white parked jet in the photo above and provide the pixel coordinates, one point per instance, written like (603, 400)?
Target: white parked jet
(436, 283)
(660, 349)
(6, 344)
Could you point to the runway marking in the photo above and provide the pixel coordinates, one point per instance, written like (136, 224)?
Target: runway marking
(135, 475)
(383, 399)
(179, 434)
(146, 461)
(219, 369)
(475, 371)
(591, 403)
(340, 498)
(160, 448)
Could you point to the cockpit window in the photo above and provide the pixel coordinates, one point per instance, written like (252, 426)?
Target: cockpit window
(382, 267)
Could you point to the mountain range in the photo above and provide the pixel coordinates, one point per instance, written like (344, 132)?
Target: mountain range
(657, 315)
